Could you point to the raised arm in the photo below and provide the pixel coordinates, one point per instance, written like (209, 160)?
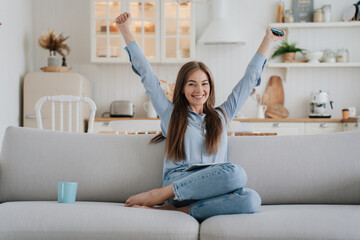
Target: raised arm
(251, 79)
(268, 39)
(141, 67)
(123, 22)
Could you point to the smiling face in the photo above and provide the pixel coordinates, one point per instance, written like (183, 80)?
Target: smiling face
(197, 90)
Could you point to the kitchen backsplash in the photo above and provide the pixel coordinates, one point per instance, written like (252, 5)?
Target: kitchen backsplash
(227, 62)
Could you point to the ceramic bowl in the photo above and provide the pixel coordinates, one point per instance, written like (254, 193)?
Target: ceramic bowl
(314, 57)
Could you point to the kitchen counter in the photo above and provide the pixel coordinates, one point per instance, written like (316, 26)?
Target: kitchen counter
(250, 119)
(280, 126)
(123, 118)
(298, 120)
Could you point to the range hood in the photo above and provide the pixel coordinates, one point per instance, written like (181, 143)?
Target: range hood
(221, 29)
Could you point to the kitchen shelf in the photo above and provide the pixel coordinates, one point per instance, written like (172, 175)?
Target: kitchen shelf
(312, 27)
(287, 66)
(316, 25)
(312, 65)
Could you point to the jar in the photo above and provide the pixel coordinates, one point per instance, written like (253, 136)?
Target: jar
(318, 15)
(329, 56)
(280, 11)
(327, 12)
(342, 55)
(289, 17)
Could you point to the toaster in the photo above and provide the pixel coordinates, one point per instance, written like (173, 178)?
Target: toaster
(122, 109)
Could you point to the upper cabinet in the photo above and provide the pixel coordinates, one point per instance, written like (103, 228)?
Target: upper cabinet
(164, 29)
(177, 31)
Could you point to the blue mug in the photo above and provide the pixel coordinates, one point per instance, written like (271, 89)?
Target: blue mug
(67, 192)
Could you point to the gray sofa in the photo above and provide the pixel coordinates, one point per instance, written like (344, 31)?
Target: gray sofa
(310, 188)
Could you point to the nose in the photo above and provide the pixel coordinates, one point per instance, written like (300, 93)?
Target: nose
(199, 88)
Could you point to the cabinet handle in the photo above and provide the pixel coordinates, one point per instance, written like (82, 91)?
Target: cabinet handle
(106, 124)
(356, 125)
(346, 125)
(276, 125)
(30, 116)
(324, 125)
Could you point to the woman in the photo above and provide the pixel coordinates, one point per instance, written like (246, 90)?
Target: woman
(196, 132)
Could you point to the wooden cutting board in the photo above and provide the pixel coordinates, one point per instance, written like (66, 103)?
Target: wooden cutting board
(274, 93)
(276, 111)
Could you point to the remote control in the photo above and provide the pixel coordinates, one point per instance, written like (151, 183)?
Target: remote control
(277, 32)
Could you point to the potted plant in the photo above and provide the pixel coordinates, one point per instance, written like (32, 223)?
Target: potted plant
(54, 43)
(287, 50)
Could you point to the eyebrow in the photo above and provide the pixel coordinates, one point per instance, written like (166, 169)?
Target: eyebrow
(195, 81)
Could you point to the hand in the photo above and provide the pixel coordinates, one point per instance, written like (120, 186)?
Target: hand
(124, 21)
(273, 37)
(267, 41)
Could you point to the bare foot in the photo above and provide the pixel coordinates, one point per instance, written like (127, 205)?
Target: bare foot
(151, 198)
(144, 199)
(166, 206)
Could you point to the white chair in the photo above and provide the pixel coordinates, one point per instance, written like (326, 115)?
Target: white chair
(135, 126)
(69, 100)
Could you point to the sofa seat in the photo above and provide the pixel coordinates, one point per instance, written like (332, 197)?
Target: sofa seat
(328, 222)
(91, 220)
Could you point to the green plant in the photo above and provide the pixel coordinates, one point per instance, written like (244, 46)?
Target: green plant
(286, 47)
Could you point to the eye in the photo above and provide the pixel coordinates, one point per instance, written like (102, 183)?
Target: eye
(191, 84)
(205, 83)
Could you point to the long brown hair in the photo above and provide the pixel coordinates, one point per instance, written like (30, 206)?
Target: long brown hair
(179, 118)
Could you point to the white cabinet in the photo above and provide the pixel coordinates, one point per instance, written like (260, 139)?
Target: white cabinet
(102, 127)
(177, 31)
(131, 124)
(281, 128)
(299, 128)
(322, 127)
(351, 126)
(164, 29)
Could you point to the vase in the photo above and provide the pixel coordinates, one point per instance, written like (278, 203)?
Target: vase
(289, 56)
(52, 59)
(64, 62)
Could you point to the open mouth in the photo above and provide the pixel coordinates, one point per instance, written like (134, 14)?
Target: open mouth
(198, 97)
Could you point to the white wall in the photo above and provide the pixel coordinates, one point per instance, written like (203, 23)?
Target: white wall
(16, 58)
(228, 63)
(118, 82)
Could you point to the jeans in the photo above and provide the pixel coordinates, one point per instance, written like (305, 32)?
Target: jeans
(213, 190)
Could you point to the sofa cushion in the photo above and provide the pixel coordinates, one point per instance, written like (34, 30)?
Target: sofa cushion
(274, 222)
(306, 169)
(92, 221)
(108, 167)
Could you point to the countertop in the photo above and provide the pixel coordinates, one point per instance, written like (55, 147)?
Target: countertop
(339, 120)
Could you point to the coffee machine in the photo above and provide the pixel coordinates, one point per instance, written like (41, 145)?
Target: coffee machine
(319, 105)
